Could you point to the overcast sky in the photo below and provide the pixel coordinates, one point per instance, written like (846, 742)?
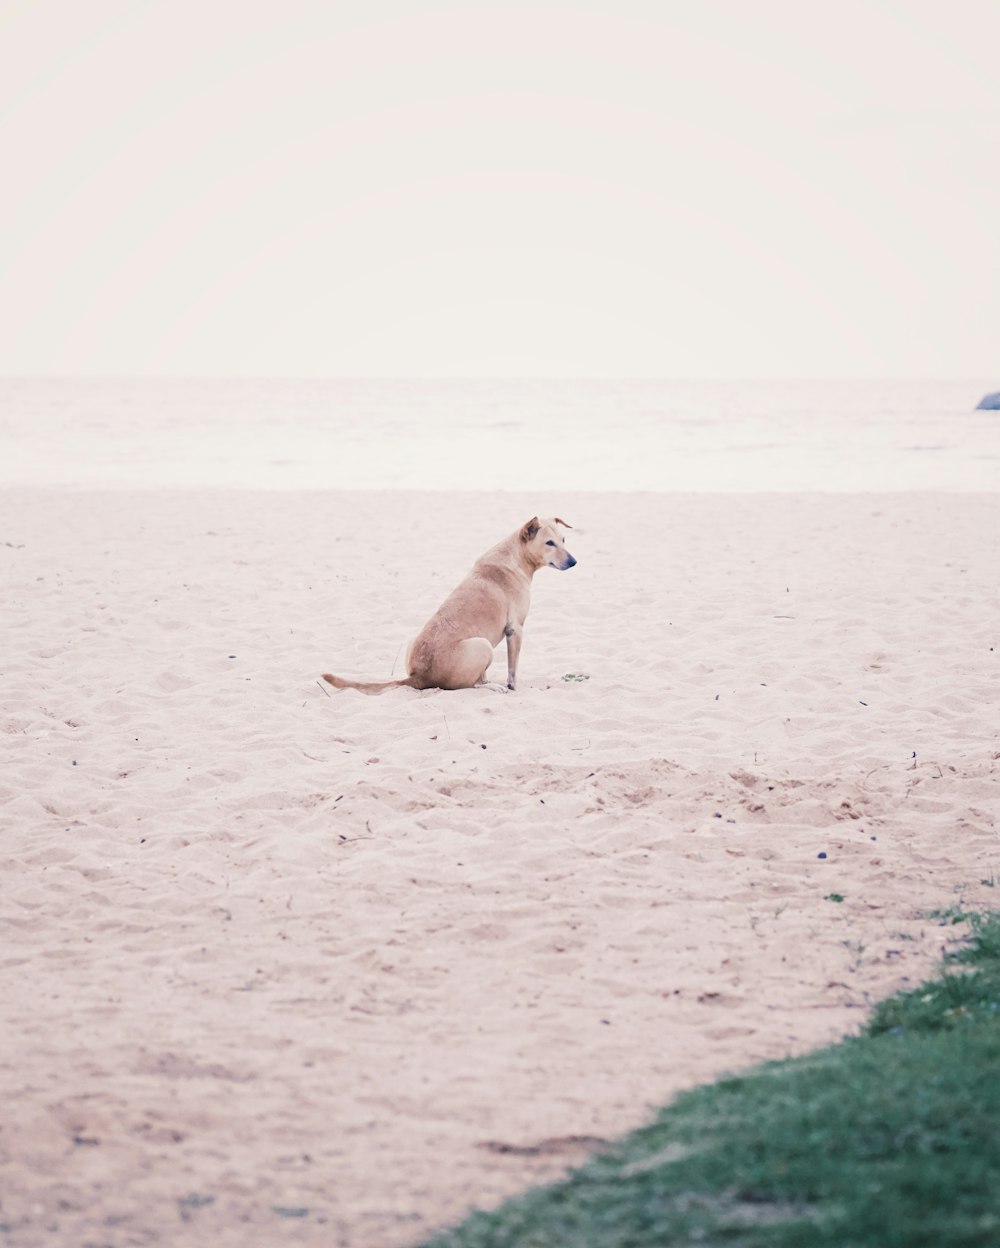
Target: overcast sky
(710, 188)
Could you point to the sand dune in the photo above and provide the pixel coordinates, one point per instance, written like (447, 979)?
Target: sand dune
(286, 965)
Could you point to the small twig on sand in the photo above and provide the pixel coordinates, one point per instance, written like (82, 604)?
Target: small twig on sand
(324, 688)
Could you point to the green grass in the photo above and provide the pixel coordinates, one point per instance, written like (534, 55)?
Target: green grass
(890, 1139)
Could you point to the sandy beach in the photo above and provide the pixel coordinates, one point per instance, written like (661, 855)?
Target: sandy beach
(282, 965)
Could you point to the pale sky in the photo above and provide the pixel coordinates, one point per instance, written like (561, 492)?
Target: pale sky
(671, 188)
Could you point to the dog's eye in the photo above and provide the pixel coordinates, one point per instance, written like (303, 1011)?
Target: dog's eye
(550, 543)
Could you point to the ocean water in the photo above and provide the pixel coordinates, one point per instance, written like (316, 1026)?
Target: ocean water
(499, 435)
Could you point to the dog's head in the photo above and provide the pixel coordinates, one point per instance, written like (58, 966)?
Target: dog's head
(545, 543)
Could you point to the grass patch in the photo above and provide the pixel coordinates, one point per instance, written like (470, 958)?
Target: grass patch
(951, 916)
(886, 1140)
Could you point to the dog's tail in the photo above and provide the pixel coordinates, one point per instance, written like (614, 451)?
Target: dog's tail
(368, 686)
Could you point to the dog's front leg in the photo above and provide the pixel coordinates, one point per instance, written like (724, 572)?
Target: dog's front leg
(513, 634)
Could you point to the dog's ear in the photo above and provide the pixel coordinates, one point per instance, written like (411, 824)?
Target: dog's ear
(530, 529)
(564, 524)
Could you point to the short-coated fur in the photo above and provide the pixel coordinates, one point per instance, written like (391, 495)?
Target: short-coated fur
(455, 647)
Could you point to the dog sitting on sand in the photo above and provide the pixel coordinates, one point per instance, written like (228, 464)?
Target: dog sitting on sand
(455, 646)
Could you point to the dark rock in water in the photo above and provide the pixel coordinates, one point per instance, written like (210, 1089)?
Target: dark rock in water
(989, 403)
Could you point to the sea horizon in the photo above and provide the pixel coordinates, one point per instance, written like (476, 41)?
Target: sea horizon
(509, 434)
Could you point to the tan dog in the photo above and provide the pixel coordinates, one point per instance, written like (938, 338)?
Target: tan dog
(455, 646)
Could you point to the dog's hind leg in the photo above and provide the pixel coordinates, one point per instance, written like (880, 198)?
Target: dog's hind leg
(467, 664)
